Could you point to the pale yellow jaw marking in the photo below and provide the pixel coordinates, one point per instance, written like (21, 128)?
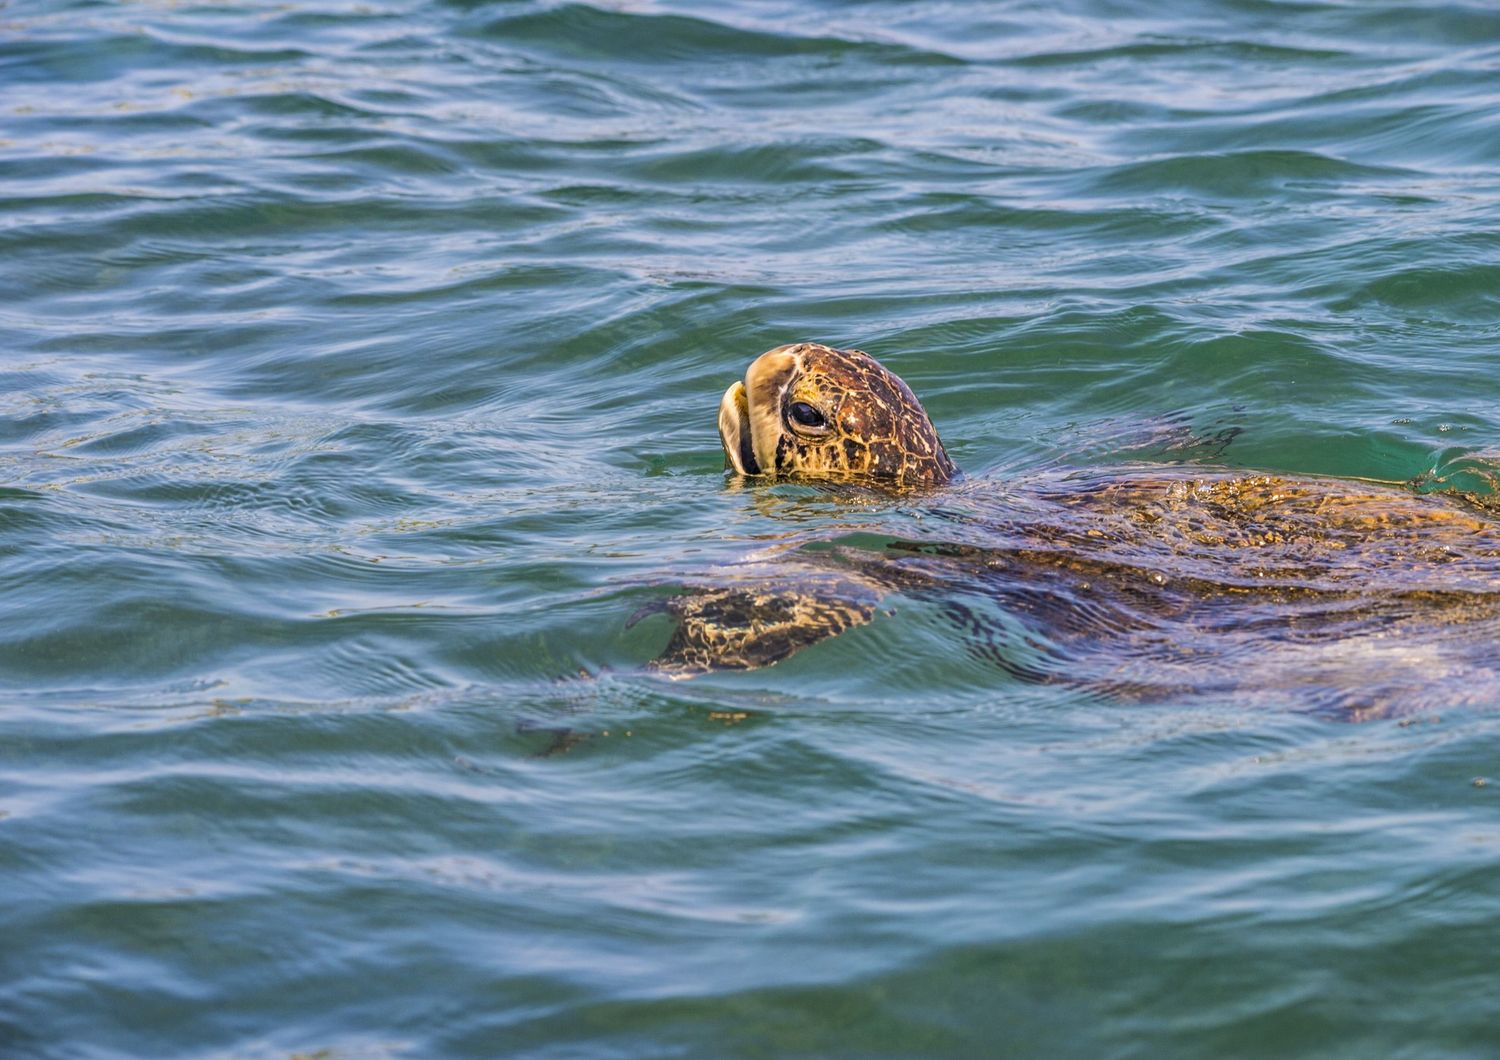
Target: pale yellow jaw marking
(734, 421)
(749, 412)
(766, 381)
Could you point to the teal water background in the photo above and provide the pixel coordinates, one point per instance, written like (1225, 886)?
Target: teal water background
(358, 369)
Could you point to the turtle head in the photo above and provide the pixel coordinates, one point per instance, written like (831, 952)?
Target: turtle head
(809, 411)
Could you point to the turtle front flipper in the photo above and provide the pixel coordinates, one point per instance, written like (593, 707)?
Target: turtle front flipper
(749, 623)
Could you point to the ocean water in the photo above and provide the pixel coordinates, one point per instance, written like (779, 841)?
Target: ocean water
(358, 371)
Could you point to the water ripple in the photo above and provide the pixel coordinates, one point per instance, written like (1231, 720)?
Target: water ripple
(360, 366)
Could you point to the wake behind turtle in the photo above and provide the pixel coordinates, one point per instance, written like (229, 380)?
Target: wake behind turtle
(1137, 582)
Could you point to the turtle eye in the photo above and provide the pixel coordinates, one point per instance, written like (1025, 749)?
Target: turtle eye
(807, 416)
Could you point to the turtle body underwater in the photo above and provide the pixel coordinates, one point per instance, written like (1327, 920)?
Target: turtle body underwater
(1138, 582)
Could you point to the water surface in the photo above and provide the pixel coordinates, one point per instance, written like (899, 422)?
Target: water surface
(359, 370)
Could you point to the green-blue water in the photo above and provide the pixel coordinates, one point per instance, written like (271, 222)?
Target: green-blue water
(360, 364)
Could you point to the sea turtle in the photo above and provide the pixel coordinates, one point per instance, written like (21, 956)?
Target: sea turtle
(1136, 580)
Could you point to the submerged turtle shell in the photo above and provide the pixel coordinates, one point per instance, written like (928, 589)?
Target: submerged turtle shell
(1137, 581)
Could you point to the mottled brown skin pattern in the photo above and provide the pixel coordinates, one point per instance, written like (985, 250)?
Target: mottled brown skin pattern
(874, 430)
(756, 621)
(1144, 581)
(881, 432)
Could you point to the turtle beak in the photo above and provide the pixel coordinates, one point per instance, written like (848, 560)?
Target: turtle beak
(734, 431)
(749, 425)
